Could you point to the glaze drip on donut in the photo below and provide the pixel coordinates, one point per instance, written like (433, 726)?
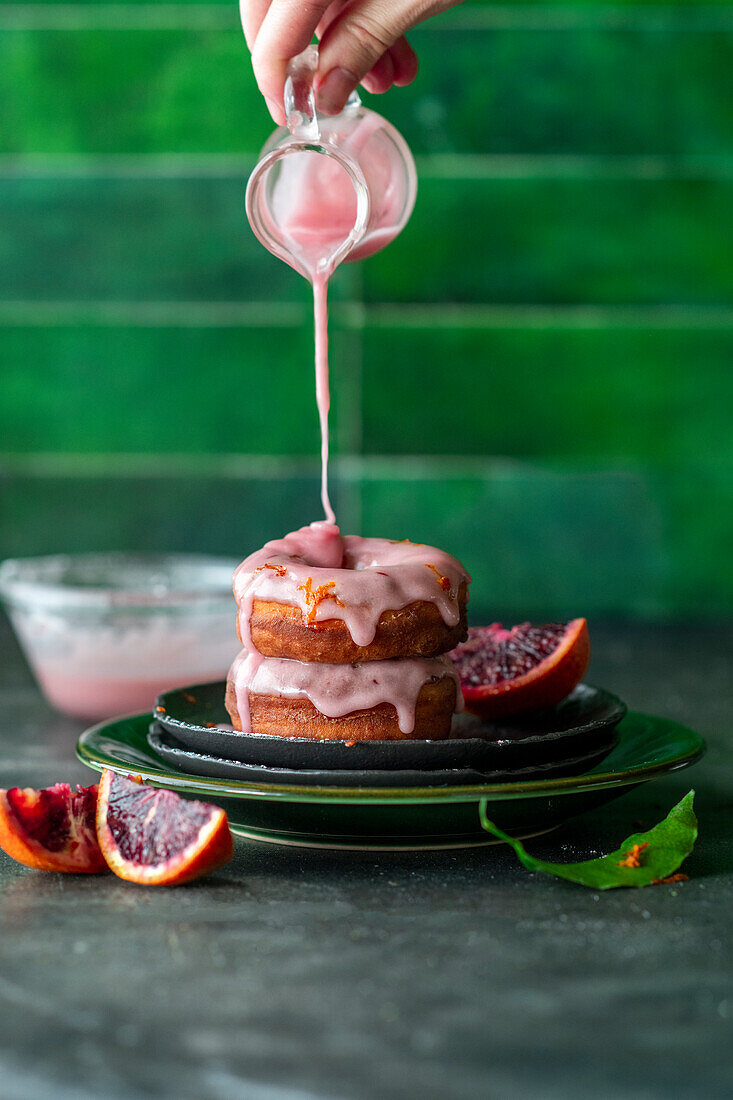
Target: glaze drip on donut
(329, 576)
(336, 690)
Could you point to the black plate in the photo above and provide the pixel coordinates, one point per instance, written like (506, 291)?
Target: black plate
(582, 723)
(201, 764)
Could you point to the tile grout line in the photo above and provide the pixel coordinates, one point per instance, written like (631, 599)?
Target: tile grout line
(570, 17)
(591, 166)
(125, 165)
(150, 314)
(495, 17)
(119, 17)
(535, 315)
(350, 468)
(355, 315)
(480, 166)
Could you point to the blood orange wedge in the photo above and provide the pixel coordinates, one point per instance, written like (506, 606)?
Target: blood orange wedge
(51, 829)
(156, 837)
(504, 672)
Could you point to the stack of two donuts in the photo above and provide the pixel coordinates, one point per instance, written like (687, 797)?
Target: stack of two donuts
(346, 643)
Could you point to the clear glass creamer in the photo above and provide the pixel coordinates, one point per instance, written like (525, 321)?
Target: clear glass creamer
(329, 189)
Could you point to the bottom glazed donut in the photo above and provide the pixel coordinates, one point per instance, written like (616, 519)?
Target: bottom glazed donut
(401, 699)
(279, 716)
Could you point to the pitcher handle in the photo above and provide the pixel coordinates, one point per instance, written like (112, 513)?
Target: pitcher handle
(299, 98)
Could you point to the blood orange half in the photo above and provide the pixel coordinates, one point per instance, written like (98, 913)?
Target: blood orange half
(51, 829)
(506, 671)
(156, 837)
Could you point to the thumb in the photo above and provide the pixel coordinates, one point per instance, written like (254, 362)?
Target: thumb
(357, 38)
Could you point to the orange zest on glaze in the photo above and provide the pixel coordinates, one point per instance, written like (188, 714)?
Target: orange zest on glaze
(631, 859)
(679, 877)
(316, 596)
(444, 582)
(279, 570)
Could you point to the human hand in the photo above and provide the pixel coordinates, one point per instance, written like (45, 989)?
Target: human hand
(361, 42)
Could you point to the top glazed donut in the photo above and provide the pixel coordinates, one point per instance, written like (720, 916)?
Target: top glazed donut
(318, 596)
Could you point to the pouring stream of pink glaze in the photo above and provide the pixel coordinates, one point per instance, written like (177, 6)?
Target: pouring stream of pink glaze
(316, 210)
(323, 393)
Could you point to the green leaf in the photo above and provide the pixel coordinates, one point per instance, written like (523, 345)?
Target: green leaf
(660, 853)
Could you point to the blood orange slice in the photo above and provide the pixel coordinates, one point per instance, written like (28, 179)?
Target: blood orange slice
(156, 837)
(51, 829)
(504, 672)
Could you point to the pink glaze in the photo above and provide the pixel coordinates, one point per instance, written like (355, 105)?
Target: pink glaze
(366, 577)
(336, 690)
(323, 396)
(91, 666)
(314, 210)
(94, 697)
(314, 204)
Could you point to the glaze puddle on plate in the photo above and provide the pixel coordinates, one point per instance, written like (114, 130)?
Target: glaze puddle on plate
(582, 723)
(409, 818)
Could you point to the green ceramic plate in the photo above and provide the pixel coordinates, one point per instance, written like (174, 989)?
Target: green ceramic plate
(402, 817)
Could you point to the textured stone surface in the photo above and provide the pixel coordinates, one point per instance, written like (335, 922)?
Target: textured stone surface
(294, 974)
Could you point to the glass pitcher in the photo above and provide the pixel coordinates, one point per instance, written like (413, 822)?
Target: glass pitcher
(329, 189)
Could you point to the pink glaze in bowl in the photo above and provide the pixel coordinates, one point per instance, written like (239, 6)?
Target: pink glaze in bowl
(106, 633)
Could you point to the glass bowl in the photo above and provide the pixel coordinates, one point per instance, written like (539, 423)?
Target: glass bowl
(106, 633)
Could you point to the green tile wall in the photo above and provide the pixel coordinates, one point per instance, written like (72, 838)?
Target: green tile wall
(562, 240)
(537, 375)
(149, 511)
(167, 390)
(173, 390)
(116, 90)
(565, 541)
(657, 88)
(184, 239)
(470, 240)
(591, 395)
(648, 88)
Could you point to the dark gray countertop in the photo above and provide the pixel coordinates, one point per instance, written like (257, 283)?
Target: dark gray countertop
(295, 973)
